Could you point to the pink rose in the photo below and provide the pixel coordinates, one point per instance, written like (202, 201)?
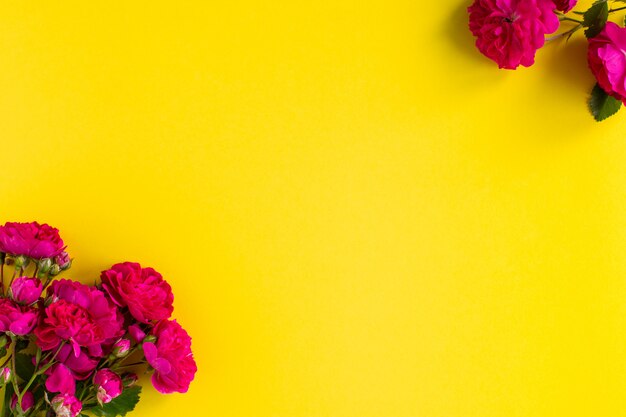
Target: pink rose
(121, 348)
(66, 405)
(108, 384)
(565, 5)
(25, 290)
(511, 31)
(171, 358)
(16, 319)
(143, 290)
(30, 239)
(607, 60)
(28, 400)
(80, 315)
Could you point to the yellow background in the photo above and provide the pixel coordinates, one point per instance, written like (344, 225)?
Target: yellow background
(359, 214)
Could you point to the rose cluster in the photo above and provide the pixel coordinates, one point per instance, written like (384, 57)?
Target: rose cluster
(511, 31)
(67, 347)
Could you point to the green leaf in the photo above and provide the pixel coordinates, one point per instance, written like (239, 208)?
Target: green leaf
(602, 105)
(595, 18)
(24, 365)
(121, 405)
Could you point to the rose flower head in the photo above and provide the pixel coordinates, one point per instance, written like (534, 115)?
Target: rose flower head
(511, 31)
(30, 239)
(171, 357)
(143, 290)
(607, 60)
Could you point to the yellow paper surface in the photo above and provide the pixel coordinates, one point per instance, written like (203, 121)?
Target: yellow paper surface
(359, 214)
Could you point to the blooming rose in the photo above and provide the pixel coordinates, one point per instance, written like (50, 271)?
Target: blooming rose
(66, 405)
(143, 290)
(171, 357)
(607, 60)
(109, 385)
(80, 315)
(510, 31)
(16, 319)
(28, 400)
(30, 239)
(25, 290)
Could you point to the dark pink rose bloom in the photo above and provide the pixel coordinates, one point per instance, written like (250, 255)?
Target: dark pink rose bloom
(25, 290)
(28, 400)
(109, 385)
(30, 239)
(80, 315)
(511, 31)
(565, 5)
(143, 290)
(136, 333)
(171, 357)
(607, 60)
(17, 319)
(66, 405)
(60, 379)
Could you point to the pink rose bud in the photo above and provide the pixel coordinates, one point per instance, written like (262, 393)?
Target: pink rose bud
(63, 261)
(109, 385)
(129, 379)
(43, 266)
(25, 290)
(5, 375)
(28, 400)
(66, 405)
(136, 333)
(121, 348)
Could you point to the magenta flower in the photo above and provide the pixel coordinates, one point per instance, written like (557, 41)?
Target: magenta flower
(16, 319)
(28, 400)
(66, 405)
(171, 358)
(143, 290)
(109, 385)
(565, 5)
(607, 60)
(30, 239)
(511, 31)
(25, 290)
(60, 379)
(5, 375)
(80, 315)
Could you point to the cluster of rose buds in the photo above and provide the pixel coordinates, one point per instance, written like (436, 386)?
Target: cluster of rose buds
(67, 347)
(511, 31)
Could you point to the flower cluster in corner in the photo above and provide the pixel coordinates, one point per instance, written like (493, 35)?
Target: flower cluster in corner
(510, 32)
(68, 348)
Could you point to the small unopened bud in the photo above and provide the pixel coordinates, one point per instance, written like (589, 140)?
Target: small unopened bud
(3, 340)
(55, 270)
(5, 375)
(9, 259)
(44, 265)
(150, 339)
(129, 379)
(63, 260)
(21, 261)
(121, 348)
